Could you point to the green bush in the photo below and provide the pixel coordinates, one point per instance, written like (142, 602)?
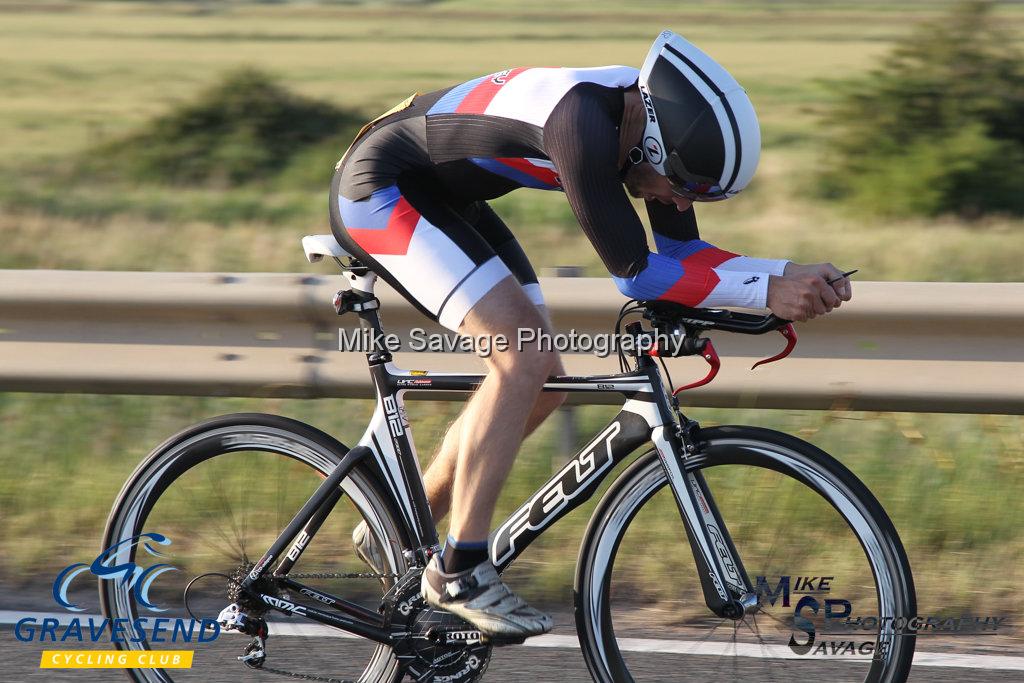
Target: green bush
(938, 127)
(245, 127)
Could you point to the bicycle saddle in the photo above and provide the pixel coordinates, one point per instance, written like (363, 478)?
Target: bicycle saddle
(318, 246)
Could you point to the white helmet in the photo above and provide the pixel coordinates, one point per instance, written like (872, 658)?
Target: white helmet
(702, 132)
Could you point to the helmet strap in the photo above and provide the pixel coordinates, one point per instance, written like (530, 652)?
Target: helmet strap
(633, 157)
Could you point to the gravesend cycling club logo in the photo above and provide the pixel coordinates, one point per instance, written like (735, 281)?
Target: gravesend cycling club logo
(121, 565)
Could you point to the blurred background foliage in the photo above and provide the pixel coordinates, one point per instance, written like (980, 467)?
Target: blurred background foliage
(938, 127)
(245, 127)
(201, 136)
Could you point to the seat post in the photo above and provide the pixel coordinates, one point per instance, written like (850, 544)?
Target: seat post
(361, 279)
(361, 300)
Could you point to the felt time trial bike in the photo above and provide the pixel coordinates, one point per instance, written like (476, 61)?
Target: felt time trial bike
(727, 544)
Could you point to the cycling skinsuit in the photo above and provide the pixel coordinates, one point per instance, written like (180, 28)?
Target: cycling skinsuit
(408, 198)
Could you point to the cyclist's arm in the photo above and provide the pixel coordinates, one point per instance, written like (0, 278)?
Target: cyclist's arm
(581, 138)
(676, 235)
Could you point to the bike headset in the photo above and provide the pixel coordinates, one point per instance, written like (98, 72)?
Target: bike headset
(701, 131)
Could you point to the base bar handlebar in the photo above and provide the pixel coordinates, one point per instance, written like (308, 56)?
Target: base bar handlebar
(676, 319)
(671, 314)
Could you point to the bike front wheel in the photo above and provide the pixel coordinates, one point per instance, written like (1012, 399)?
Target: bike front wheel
(811, 537)
(217, 495)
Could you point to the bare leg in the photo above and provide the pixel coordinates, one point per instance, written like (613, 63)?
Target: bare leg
(490, 431)
(492, 425)
(439, 477)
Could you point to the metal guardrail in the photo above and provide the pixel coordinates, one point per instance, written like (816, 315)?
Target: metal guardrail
(924, 347)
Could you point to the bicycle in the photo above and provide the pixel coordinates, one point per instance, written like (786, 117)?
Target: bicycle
(198, 485)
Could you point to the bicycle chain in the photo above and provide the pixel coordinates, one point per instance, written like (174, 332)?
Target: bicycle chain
(301, 677)
(323, 575)
(343, 575)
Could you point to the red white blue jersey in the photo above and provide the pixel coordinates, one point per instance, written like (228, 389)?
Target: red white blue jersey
(405, 187)
(495, 123)
(526, 94)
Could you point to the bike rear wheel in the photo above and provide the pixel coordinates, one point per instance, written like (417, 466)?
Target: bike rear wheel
(221, 491)
(792, 511)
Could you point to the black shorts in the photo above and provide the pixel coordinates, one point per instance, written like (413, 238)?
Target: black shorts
(441, 255)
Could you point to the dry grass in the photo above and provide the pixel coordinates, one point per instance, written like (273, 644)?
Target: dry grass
(94, 71)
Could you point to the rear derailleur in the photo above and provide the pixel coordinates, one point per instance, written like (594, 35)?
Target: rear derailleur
(233, 618)
(245, 615)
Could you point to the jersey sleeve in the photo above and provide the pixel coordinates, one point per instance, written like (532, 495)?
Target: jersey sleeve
(710, 276)
(581, 138)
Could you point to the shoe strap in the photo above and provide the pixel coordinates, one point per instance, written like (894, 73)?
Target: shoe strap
(453, 588)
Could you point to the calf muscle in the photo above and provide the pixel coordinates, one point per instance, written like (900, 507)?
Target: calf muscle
(491, 427)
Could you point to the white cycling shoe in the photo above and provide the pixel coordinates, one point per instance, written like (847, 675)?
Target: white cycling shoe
(367, 548)
(479, 596)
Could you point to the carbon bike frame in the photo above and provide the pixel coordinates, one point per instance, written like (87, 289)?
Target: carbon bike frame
(647, 416)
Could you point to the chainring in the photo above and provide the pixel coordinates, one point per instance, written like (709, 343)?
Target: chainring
(425, 655)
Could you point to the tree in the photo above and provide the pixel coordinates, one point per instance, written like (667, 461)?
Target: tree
(938, 127)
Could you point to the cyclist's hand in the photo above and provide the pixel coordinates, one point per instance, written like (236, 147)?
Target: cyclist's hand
(801, 297)
(826, 271)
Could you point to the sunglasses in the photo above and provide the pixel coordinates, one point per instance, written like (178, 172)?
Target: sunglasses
(697, 192)
(690, 185)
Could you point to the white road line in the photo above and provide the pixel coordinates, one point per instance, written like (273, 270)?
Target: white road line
(659, 645)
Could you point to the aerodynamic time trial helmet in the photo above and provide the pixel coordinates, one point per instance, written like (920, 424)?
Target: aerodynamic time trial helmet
(702, 132)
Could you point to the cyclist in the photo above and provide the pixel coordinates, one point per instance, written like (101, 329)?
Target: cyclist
(408, 199)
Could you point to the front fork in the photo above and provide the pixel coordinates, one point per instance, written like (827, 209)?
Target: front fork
(723, 578)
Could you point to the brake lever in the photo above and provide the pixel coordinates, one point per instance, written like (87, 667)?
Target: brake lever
(790, 334)
(711, 356)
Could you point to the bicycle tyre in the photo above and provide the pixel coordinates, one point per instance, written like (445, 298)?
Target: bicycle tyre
(744, 446)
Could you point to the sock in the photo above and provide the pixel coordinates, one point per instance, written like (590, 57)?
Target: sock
(458, 556)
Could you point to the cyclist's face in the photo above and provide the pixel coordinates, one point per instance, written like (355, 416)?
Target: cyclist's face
(643, 182)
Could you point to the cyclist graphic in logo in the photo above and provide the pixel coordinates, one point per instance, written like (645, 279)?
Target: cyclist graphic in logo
(500, 77)
(136, 578)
